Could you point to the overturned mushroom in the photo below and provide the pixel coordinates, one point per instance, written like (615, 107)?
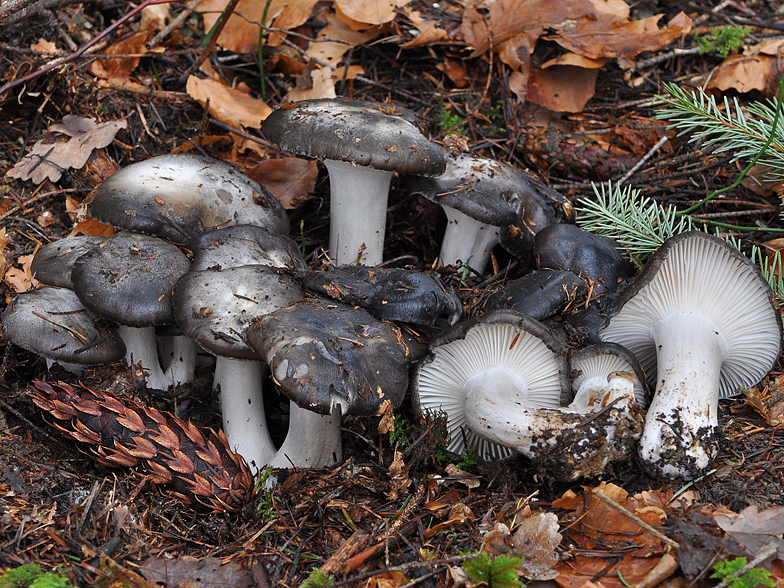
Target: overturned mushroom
(702, 320)
(389, 293)
(362, 144)
(331, 360)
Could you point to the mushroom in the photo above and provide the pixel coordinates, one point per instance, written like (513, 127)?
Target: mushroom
(538, 294)
(240, 245)
(474, 193)
(53, 323)
(129, 279)
(389, 293)
(331, 360)
(53, 263)
(485, 373)
(215, 308)
(177, 196)
(362, 144)
(592, 365)
(703, 322)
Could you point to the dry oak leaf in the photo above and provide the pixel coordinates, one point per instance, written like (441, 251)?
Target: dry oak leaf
(119, 69)
(754, 528)
(50, 160)
(322, 86)
(429, 32)
(743, 73)
(599, 39)
(228, 105)
(44, 46)
(538, 537)
(372, 12)
(563, 88)
(341, 39)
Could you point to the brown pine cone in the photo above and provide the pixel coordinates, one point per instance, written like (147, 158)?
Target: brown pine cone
(202, 472)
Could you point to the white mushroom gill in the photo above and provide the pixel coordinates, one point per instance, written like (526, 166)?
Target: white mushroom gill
(593, 373)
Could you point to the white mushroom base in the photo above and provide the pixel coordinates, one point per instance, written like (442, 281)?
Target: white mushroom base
(600, 426)
(313, 440)
(468, 240)
(679, 439)
(141, 346)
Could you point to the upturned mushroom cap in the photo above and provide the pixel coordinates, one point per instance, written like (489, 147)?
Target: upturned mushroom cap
(539, 294)
(130, 278)
(325, 355)
(178, 196)
(702, 320)
(371, 134)
(244, 245)
(602, 359)
(53, 323)
(53, 263)
(389, 293)
(215, 307)
(514, 357)
(569, 248)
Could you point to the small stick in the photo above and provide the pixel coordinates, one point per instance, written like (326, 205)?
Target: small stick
(658, 534)
(640, 163)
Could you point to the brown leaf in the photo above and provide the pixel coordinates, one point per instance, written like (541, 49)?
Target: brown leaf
(372, 12)
(20, 278)
(538, 538)
(754, 528)
(290, 179)
(49, 160)
(322, 86)
(228, 105)
(743, 73)
(341, 39)
(398, 477)
(387, 422)
(563, 88)
(119, 69)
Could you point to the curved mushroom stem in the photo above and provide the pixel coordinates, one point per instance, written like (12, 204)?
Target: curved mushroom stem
(182, 360)
(358, 212)
(313, 440)
(242, 407)
(72, 368)
(141, 346)
(679, 439)
(467, 239)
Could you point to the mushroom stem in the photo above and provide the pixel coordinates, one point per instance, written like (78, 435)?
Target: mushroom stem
(467, 239)
(141, 346)
(358, 212)
(313, 440)
(182, 360)
(242, 407)
(682, 418)
(72, 368)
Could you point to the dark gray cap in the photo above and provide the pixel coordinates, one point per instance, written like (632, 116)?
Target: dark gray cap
(372, 134)
(244, 245)
(178, 196)
(53, 263)
(539, 294)
(323, 354)
(53, 323)
(215, 307)
(130, 278)
(389, 293)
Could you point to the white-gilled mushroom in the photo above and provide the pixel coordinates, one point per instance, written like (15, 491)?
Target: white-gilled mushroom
(331, 360)
(703, 322)
(53, 323)
(129, 279)
(485, 373)
(215, 308)
(53, 263)
(178, 196)
(362, 145)
(592, 365)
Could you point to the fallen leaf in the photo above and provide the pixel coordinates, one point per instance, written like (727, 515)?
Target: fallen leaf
(386, 580)
(429, 31)
(50, 160)
(119, 69)
(398, 477)
(372, 12)
(341, 39)
(347, 73)
(702, 542)
(455, 71)
(387, 414)
(228, 105)
(44, 46)
(92, 227)
(21, 278)
(743, 73)
(188, 571)
(154, 18)
(576, 60)
(322, 87)
(563, 88)
(3, 244)
(754, 528)
(461, 476)
(538, 537)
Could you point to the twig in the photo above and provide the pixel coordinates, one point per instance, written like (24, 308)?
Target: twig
(13, 6)
(658, 534)
(764, 553)
(214, 34)
(645, 158)
(657, 59)
(181, 18)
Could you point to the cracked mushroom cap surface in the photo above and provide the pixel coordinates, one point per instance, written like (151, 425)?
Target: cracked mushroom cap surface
(699, 274)
(53, 263)
(371, 134)
(129, 279)
(244, 245)
(389, 293)
(325, 354)
(179, 195)
(216, 307)
(53, 323)
(501, 340)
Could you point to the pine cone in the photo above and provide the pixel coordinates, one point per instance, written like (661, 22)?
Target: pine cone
(122, 432)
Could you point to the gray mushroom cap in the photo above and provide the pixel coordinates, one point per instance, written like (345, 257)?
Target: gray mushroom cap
(215, 307)
(371, 134)
(389, 293)
(539, 294)
(177, 196)
(53, 323)
(53, 263)
(244, 245)
(130, 278)
(324, 354)
(569, 248)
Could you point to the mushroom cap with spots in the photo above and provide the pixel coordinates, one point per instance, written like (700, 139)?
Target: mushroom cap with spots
(703, 322)
(179, 195)
(53, 323)
(53, 262)
(504, 354)
(389, 293)
(240, 245)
